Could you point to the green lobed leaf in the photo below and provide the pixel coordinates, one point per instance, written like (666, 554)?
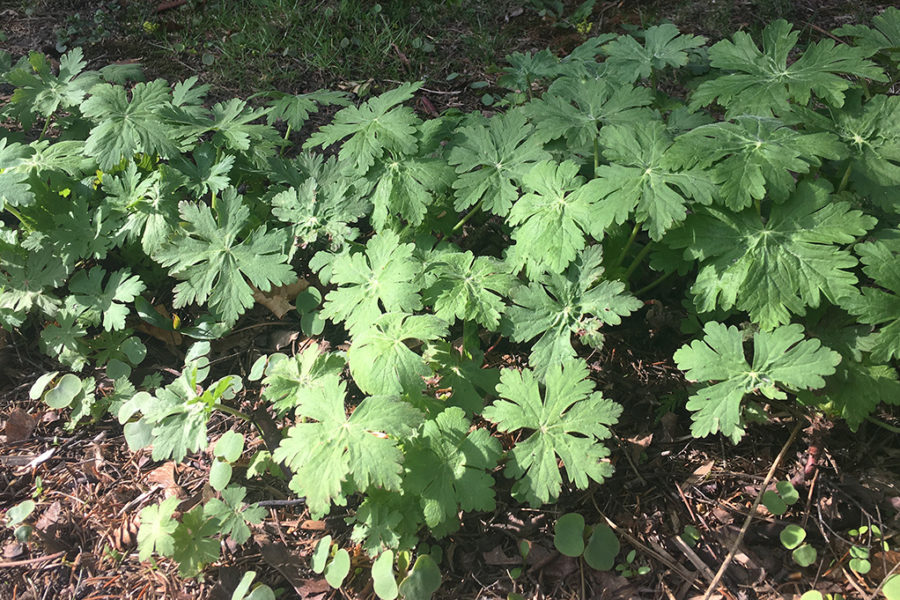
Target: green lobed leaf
(382, 363)
(782, 361)
(448, 470)
(332, 449)
(567, 422)
(384, 278)
(776, 266)
(761, 82)
(217, 268)
(491, 158)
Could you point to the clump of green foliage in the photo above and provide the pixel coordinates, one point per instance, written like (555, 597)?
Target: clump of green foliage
(766, 197)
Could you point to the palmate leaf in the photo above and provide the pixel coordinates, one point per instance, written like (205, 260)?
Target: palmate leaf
(126, 128)
(157, 527)
(753, 157)
(855, 391)
(27, 281)
(207, 172)
(292, 380)
(146, 206)
(384, 276)
(762, 82)
(377, 125)
(194, 544)
(527, 68)
(469, 288)
(775, 267)
(576, 109)
(448, 470)
(295, 109)
(782, 361)
(664, 46)
(212, 264)
(491, 159)
(575, 303)
(872, 132)
(322, 200)
(382, 363)
(639, 178)
(553, 219)
(14, 188)
(64, 338)
(332, 451)
(40, 92)
(83, 231)
(232, 515)
(879, 306)
(884, 35)
(567, 424)
(405, 187)
(109, 304)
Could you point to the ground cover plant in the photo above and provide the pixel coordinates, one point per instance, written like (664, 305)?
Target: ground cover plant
(755, 180)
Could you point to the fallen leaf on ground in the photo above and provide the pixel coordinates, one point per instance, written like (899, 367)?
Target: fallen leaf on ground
(19, 426)
(278, 299)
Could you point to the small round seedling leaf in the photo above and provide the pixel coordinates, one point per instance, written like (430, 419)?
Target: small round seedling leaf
(258, 368)
(219, 475)
(229, 446)
(805, 555)
(860, 565)
(338, 568)
(774, 503)
(788, 492)
(812, 595)
(320, 555)
(116, 369)
(19, 513)
(64, 392)
(569, 537)
(891, 588)
(792, 536)
(41, 384)
(423, 581)
(524, 548)
(383, 581)
(602, 548)
(135, 350)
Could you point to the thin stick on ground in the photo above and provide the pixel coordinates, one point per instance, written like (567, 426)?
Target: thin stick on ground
(737, 542)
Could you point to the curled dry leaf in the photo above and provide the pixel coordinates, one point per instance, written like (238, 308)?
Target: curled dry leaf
(279, 298)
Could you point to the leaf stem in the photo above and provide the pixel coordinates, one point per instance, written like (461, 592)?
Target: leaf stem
(596, 154)
(637, 260)
(46, 126)
(468, 215)
(654, 283)
(634, 232)
(846, 178)
(233, 411)
(18, 215)
(882, 424)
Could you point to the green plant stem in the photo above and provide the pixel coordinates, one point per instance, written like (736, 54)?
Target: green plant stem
(234, 412)
(17, 215)
(758, 206)
(468, 215)
(637, 261)
(882, 424)
(846, 178)
(654, 283)
(624, 252)
(46, 127)
(469, 331)
(596, 155)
